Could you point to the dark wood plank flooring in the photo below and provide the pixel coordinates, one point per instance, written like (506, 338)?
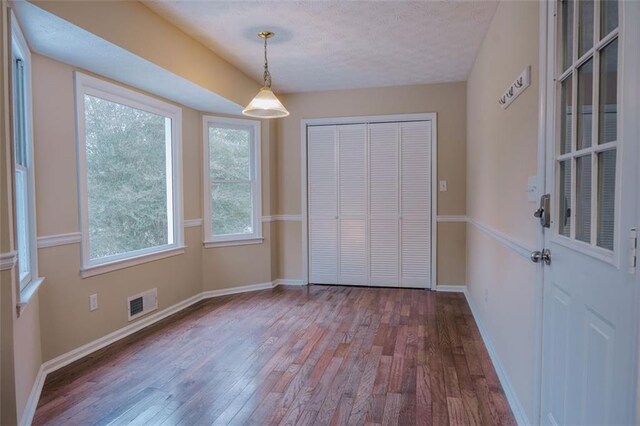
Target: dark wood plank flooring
(313, 355)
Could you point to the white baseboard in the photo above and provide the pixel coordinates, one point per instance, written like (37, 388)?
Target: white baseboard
(516, 407)
(235, 290)
(288, 281)
(452, 288)
(34, 397)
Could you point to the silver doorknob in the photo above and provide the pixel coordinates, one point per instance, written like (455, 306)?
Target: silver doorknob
(541, 256)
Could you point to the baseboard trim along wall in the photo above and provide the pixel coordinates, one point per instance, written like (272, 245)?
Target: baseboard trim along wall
(516, 407)
(451, 288)
(75, 354)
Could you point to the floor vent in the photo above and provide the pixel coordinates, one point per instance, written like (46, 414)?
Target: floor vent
(141, 304)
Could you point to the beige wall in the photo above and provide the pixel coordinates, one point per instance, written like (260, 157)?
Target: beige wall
(447, 100)
(502, 149)
(66, 320)
(20, 353)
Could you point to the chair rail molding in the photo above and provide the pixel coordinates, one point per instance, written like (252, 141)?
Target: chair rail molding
(59, 239)
(8, 260)
(504, 239)
(451, 218)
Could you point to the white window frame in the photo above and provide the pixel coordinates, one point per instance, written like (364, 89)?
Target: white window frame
(254, 126)
(559, 75)
(87, 85)
(27, 286)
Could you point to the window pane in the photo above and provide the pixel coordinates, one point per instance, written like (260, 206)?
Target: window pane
(20, 112)
(232, 208)
(229, 153)
(585, 104)
(22, 222)
(126, 178)
(606, 198)
(585, 22)
(564, 199)
(565, 117)
(583, 198)
(567, 33)
(608, 115)
(608, 17)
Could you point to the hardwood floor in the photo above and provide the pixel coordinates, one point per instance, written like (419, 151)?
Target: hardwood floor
(312, 355)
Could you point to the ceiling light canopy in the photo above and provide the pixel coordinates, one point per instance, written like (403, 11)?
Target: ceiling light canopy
(265, 104)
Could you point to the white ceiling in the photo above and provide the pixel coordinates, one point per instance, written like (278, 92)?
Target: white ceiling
(326, 45)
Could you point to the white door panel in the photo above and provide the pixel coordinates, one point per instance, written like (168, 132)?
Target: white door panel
(385, 240)
(589, 329)
(323, 249)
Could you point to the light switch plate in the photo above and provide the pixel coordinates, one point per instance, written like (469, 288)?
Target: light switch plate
(93, 302)
(443, 185)
(532, 189)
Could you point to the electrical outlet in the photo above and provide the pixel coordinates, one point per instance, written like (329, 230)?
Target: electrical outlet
(443, 185)
(93, 302)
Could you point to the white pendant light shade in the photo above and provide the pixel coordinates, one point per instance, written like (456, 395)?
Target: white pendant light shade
(265, 105)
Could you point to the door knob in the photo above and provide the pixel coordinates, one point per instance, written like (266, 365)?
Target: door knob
(541, 256)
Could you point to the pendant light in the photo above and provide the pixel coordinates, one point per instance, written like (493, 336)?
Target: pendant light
(265, 104)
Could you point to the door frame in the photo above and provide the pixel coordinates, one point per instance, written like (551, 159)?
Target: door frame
(306, 122)
(547, 30)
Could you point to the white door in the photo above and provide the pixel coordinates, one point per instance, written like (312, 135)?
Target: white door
(415, 204)
(352, 217)
(591, 175)
(323, 205)
(369, 204)
(384, 190)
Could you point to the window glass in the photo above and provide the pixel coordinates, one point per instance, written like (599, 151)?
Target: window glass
(233, 187)
(126, 178)
(608, 109)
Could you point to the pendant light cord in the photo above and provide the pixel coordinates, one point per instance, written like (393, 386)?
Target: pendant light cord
(267, 74)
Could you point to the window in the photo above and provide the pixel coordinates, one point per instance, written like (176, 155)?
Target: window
(129, 160)
(587, 151)
(232, 182)
(24, 181)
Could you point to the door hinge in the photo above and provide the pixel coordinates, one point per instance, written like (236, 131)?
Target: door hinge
(633, 250)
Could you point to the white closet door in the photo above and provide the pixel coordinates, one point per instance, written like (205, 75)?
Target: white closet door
(415, 204)
(323, 205)
(384, 236)
(352, 216)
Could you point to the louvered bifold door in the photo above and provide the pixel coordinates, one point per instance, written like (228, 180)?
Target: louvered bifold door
(323, 205)
(415, 204)
(352, 208)
(384, 235)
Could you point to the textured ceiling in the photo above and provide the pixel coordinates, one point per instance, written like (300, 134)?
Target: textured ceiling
(326, 45)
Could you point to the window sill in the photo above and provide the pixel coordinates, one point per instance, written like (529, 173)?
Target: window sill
(27, 293)
(230, 243)
(103, 268)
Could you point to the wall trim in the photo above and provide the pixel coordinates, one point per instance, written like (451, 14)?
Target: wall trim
(516, 407)
(452, 288)
(451, 218)
(288, 281)
(504, 239)
(59, 239)
(146, 321)
(192, 223)
(8, 260)
(235, 290)
(34, 397)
